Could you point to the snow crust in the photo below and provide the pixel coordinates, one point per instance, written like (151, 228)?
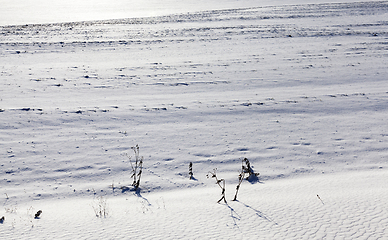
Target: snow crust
(298, 89)
(18, 12)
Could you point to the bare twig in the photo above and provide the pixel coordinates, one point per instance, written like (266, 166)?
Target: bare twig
(320, 199)
(244, 170)
(191, 170)
(240, 179)
(247, 169)
(37, 214)
(218, 181)
(137, 167)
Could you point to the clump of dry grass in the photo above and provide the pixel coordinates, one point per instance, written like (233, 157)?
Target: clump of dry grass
(137, 167)
(100, 207)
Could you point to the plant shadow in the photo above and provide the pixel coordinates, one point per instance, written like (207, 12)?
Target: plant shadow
(193, 178)
(233, 214)
(125, 189)
(138, 194)
(258, 213)
(252, 179)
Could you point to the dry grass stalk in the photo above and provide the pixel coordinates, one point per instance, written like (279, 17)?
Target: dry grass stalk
(191, 170)
(137, 167)
(244, 170)
(247, 169)
(101, 208)
(218, 181)
(240, 179)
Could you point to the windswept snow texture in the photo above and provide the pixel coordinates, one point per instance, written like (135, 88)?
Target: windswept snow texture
(344, 206)
(18, 12)
(299, 90)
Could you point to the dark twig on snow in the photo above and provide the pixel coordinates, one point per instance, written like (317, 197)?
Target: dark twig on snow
(244, 171)
(247, 169)
(137, 167)
(37, 214)
(218, 181)
(240, 179)
(191, 170)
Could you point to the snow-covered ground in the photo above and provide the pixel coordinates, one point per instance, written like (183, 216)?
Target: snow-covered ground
(299, 90)
(18, 12)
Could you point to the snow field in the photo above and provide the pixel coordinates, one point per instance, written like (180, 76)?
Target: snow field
(300, 90)
(350, 205)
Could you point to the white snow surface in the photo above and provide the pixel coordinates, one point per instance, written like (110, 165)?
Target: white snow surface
(299, 89)
(18, 12)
